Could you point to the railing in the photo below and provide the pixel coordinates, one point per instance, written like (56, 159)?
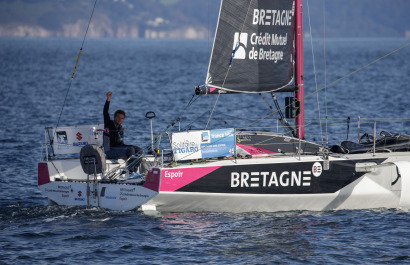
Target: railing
(337, 130)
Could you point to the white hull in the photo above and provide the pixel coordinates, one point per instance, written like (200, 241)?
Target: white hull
(119, 197)
(261, 183)
(69, 186)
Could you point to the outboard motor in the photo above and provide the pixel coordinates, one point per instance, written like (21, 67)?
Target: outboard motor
(92, 160)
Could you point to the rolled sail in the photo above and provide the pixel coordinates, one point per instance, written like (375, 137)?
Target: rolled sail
(253, 50)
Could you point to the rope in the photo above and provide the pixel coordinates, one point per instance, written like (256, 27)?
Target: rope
(334, 82)
(172, 124)
(210, 115)
(209, 32)
(72, 76)
(230, 62)
(339, 121)
(314, 72)
(361, 68)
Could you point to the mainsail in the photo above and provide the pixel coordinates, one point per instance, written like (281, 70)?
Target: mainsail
(253, 50)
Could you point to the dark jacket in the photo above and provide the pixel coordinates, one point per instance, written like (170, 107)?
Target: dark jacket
(116, 134)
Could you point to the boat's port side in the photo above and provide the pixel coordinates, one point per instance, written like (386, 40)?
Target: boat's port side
(287, 183)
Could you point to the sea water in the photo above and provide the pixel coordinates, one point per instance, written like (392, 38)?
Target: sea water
(151, 75)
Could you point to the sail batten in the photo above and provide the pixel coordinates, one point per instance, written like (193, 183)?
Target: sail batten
(253, 49)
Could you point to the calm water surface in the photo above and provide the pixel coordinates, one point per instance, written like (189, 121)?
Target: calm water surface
(148, 75)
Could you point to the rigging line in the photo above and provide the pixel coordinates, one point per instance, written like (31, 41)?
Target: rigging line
(266, 102)
(195, 120)
(269, 115)
(278, 107)
(75, 67)
(172, 124)
(210, 115)
(324, 58)
(334, 82)
(282, 117)
(361, 68)
(314, 72)
(201, 148)
(186, 107)
(209, 31)
(231, 61)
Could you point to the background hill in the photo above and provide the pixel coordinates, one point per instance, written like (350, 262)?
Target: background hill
(188, 18)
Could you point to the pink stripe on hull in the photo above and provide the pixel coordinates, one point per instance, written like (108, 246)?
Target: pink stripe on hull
(174, 179)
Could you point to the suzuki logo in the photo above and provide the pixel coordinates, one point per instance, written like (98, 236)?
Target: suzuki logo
(79, 136)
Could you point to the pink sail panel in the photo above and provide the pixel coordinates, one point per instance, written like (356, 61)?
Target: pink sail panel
(174, 179)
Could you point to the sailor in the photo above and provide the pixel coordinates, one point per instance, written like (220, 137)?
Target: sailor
(116, 147)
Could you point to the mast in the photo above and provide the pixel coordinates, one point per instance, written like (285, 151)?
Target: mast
(300, 118)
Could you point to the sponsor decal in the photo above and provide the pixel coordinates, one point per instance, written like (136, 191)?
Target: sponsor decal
(79, 136)
(79, 193)
(174, 179)
(205, 136)
(80, 144)
(110, 197)
(264, 45)
(127, 190)
(203, 144)
(317, 169)
(130, 192)
(62, 147)
(60, 189)
(171, 174)
(240, 43)
(275, 179)
(243, 138)
(70, 140)
(185, 146)
(62, 137)
(270, 17)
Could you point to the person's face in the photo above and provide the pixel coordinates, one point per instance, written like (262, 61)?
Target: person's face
(119, 118)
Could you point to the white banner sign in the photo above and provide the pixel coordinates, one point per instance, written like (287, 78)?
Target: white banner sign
(70, 140)
(203, 144)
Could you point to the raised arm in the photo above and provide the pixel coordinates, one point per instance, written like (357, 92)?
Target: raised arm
(106, 108)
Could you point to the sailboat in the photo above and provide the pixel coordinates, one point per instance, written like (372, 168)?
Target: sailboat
(258, 48)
